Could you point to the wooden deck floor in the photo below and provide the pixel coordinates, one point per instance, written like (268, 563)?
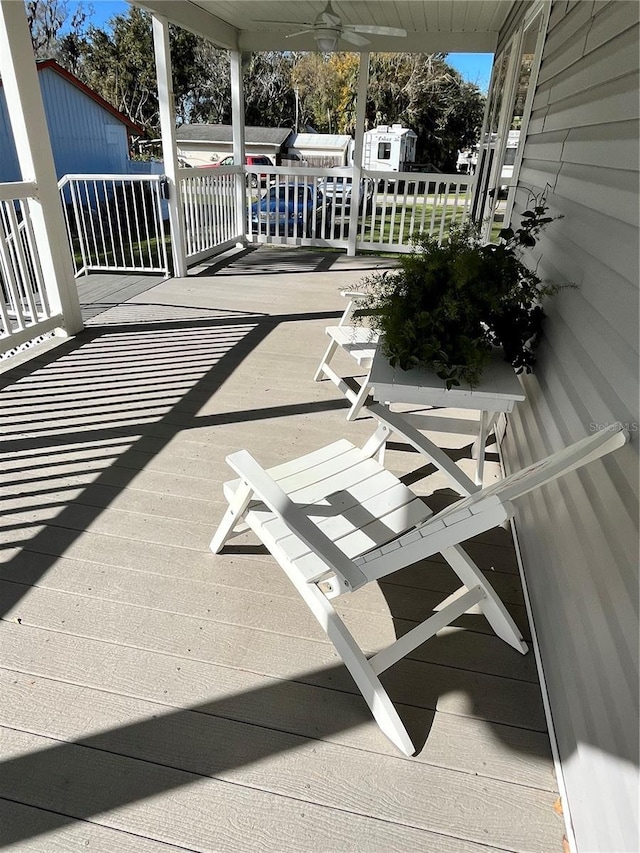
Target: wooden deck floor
(156, 698)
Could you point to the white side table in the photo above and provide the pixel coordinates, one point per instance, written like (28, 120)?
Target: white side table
(498, 391)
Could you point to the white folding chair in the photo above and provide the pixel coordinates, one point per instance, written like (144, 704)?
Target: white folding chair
(336, 520)
(360, 343)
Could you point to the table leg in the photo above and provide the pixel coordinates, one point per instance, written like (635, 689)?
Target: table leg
(396, 422)
(477, 451)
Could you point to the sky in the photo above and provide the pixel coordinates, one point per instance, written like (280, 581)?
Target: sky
(474, 67)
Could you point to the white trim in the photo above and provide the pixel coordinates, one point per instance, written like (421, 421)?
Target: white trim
(168, 133)
(486, 215)
(361, 103)
(238, 133)
(553, 740)
(528, 106)
(18, 190)
(33, 146)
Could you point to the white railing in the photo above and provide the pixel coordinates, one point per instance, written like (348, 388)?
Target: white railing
(25, 313)
(115, 222)
(312, 206)
(288, 206)
(209, 204)
(404, 203)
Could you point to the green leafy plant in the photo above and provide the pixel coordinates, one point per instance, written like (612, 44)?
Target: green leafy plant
(448, 305)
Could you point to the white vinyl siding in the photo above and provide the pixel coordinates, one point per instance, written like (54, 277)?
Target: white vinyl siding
(579, 538)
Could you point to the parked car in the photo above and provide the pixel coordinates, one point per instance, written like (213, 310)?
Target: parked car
(293, 210)
(250, 160)
(338, 188)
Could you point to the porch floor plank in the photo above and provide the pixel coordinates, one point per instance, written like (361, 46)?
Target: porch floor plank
(158, 697)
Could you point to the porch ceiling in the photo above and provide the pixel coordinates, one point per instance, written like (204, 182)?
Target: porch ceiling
(433, 26)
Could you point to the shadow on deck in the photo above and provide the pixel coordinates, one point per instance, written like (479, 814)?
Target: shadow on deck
(160, 698)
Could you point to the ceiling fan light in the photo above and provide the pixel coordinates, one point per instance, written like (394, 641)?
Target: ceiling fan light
(326, 39)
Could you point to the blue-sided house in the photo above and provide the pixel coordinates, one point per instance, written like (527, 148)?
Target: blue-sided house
(88, 135)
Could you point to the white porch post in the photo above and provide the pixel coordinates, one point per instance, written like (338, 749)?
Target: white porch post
(169, 149)
(237, 124)
(33, 146)
(361, 105)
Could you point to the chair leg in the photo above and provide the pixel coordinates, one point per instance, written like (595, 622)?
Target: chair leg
(326, 358)
(492, 607)
(359, 667)
(233, 515)
(360, 399)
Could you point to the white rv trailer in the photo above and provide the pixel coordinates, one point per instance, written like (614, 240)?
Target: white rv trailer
(388, 148)
(468, 159)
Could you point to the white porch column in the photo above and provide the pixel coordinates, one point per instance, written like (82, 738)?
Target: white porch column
(169, 149)
(237, 125)
(361, 106)
(33, 146)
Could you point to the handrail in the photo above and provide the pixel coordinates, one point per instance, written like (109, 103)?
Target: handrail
(66, 179)
(18, 190)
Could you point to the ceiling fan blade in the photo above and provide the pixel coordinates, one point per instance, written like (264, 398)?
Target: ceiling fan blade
(376, 31)
(286, 23)
(299, 33)
(354, 38)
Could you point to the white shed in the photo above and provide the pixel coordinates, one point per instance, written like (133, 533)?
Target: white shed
(321, 149)
(388, 147)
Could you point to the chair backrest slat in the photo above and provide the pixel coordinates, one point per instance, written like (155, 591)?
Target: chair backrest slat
(532, 477)
(555, 465)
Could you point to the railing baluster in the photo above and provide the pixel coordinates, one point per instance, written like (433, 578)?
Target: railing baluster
(100, 217)
(25, 312)
(27, 302)
(33, 260)
(123, 237)
(12, 283)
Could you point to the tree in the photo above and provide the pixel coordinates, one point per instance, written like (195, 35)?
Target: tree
(46, 19)
(120, 66)
(423, 92)
(445, 111)
(315, 78)
(210, 97)
(269, 95)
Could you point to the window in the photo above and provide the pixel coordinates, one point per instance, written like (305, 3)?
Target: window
(384, 151)
(504, 134)
(510, 156)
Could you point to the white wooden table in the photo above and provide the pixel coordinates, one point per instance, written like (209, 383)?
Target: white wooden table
(498, 391)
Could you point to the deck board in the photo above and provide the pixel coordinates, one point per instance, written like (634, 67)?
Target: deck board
(158, 697)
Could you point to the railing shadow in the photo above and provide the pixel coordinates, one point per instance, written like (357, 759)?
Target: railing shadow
(132, 423)
(74, 461)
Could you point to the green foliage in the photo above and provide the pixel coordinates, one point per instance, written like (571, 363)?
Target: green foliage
(448, 305)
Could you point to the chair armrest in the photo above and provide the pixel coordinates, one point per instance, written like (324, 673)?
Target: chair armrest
(276, 499)
(353, 294)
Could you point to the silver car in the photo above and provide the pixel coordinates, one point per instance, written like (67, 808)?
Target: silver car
(338, 189)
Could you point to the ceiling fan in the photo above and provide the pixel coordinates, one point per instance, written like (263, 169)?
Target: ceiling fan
(328, 29)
